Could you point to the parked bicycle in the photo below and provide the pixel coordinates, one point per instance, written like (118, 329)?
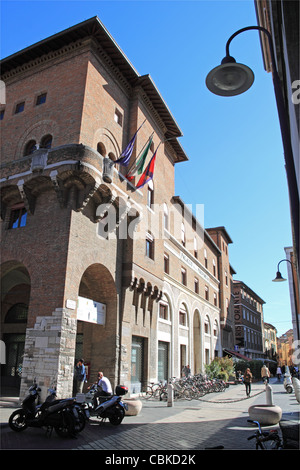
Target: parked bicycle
(154, 389)
(271, 440)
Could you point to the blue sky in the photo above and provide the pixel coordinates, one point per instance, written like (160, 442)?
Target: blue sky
(236, 163)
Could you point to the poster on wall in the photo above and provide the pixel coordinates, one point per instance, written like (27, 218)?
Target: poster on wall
(90, 311)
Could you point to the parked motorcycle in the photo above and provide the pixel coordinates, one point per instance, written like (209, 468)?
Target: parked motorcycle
(109, 407)
(81, 413)
(61, 415)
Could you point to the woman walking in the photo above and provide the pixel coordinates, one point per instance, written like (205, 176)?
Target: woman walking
(247, 381)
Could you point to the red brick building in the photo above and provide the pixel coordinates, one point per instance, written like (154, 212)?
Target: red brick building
(73, 102)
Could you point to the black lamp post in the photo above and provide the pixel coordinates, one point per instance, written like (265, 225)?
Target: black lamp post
(279, 278)
(230, 79)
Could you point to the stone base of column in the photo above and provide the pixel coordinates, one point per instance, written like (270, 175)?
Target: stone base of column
(49, 354)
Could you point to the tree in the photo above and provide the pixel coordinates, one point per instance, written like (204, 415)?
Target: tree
(220, 368)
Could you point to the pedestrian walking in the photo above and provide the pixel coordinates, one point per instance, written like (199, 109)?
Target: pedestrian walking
(186, 371)
(265, 374)
(247, 381)
(278, 373)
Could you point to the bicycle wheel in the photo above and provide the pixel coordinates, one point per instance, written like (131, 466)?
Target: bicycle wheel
(149, 392)
(188, 394)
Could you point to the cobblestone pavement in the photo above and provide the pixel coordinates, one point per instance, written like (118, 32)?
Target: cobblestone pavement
(218, 419)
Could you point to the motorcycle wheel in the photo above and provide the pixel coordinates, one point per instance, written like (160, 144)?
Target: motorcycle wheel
(80, 421)
(117, 417)
(67, 427)
(17, 421)
(289, 389)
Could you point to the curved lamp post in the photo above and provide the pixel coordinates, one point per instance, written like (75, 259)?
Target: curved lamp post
(279, 278)
(230, 79)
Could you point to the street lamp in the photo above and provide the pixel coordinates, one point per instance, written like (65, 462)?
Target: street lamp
(230, 79)
(279, 278)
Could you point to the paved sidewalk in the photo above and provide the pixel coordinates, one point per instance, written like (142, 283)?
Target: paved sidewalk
(218, 419)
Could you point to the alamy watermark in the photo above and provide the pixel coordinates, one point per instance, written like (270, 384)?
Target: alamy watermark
(296, 93)
(158, 222)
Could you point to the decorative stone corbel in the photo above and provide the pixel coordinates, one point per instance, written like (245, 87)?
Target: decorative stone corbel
(59, 188)
(29, 200)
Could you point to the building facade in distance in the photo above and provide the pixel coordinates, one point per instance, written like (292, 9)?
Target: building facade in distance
(249, 324)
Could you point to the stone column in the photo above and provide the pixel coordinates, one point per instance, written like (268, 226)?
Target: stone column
(49, 354)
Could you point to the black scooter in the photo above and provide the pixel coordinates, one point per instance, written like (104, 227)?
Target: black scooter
(58, 414)
(109, 407)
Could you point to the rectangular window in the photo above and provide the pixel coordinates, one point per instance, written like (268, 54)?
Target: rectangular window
(2, 114)
(166, 264)
(118, 117)
(182, 318)
(18, 217)
(163, 311)
(41, 99)
(183, 276)
(149, 246)
(20, 107)
(206, 293)
(196, 285)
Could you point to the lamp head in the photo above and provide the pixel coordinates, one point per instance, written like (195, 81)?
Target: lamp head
(229, 78)
(278, 277)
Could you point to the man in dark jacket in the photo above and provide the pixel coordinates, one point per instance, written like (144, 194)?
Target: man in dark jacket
(79, 375)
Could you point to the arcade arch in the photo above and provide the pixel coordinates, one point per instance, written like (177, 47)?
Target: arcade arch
(15, 298)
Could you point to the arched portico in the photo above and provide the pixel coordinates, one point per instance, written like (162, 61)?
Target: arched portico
(15, 297)
(97, 321)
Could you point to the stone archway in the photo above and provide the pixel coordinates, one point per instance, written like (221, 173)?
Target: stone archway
(100, 334)
(15, 297)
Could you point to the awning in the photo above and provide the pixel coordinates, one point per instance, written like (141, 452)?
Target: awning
(228, 352)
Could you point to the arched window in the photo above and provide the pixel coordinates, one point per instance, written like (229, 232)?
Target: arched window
(101, 149)
(46, 142)
(30, 147)
(17, 314)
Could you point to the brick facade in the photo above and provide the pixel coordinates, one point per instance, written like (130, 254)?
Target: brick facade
(158, 317)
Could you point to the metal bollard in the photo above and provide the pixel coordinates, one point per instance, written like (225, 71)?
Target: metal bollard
(269, 395)
(170, 395)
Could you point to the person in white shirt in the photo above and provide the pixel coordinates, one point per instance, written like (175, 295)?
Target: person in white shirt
(104, 384)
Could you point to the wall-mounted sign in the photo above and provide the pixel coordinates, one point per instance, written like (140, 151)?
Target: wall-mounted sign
(91, 311)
